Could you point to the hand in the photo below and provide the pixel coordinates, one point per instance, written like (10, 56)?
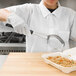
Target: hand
(4, 13)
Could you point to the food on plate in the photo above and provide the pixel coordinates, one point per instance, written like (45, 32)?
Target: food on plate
(62, 61)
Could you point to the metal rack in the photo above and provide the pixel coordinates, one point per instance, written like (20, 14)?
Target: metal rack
(5, 48)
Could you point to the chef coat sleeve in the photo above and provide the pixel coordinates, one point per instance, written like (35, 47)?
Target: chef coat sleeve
(20, 18)
(73, 29)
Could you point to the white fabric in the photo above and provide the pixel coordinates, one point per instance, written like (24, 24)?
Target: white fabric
(37, 17)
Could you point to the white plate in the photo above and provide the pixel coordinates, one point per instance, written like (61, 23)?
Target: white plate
(62, 68)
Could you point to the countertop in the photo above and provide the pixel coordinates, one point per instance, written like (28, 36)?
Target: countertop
(29, 64)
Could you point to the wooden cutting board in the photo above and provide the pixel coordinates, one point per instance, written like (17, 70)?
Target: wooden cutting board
(29, 64)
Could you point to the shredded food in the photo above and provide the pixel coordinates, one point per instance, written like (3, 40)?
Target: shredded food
(62, 61)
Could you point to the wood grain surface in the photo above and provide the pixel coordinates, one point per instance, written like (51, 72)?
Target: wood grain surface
(29, 64)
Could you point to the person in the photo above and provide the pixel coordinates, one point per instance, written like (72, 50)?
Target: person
(48, 26)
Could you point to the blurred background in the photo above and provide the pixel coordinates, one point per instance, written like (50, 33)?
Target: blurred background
(16, 42)
(6, 3)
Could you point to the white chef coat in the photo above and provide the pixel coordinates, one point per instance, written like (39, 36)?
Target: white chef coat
(36, 17)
